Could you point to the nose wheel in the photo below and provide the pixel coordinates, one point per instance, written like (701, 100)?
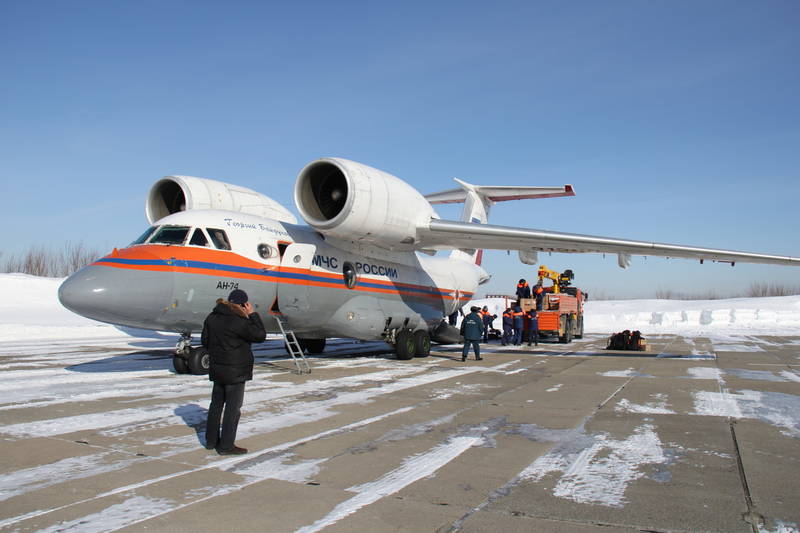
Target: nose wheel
(180, 365)
(188, 360)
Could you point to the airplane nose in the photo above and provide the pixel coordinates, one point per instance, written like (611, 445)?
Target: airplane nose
(122, 296)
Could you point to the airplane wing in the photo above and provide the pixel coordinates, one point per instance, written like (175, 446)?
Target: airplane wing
(446, 234)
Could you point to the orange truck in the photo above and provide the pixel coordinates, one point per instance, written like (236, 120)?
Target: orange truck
(562, 306)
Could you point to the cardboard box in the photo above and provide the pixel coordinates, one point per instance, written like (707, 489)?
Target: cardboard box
(527, 304)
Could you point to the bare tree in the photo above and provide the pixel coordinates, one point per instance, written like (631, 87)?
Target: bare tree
(45, 262)
(761, 289)
(74, 257)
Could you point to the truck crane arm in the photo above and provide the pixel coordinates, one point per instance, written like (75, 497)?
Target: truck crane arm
(560, 281)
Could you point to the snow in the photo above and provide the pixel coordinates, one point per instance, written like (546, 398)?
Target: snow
(762, 316)
(30, 309)
(597, 469)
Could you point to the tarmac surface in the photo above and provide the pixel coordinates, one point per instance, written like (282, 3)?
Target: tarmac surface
(697, 434)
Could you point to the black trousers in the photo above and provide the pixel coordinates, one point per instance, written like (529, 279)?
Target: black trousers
(229, 397)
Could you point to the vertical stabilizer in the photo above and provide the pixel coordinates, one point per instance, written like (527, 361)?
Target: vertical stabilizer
(476, 211)
(479, 198)
(476, 205)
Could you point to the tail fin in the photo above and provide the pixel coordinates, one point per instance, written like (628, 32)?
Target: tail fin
(478, 199)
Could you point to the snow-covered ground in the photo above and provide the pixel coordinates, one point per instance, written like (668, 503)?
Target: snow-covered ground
(590, 467)
(30, 309)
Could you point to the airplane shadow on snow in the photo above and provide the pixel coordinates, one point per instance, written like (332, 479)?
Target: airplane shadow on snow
(143, 361)
(160, 357)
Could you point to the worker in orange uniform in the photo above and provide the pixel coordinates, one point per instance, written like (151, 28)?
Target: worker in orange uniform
(488, 318)
(538, 293)
(508, 326)
(523, 290)
(518, 323)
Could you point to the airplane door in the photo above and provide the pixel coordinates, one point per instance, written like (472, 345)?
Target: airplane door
(293, 297)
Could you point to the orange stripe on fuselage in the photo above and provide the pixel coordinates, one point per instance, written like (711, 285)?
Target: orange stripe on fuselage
(227, 262)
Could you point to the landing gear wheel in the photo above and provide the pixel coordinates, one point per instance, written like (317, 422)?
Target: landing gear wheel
(405, 347)
(313, 346)
(422, 343)
(179, 364)
(198, 361)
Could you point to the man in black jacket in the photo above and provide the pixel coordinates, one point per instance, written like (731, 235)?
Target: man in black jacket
(227, 334)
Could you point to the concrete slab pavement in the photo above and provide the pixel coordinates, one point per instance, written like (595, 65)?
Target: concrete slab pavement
(699, 434)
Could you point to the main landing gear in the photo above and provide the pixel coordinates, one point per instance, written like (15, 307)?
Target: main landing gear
(188, 360)
(410, 344)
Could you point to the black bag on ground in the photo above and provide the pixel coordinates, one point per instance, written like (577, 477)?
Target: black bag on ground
(619, 341)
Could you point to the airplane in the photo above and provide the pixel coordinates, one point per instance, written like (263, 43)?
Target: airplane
(366, 265)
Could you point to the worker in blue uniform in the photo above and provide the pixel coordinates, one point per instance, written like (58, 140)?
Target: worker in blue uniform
(472, 330)
(518, 325)
(533, 334)
(508, 326)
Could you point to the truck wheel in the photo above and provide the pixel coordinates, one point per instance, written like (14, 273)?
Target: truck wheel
(179, 364)
(198, 361)
(568, 331)
(405, 347)
(579, 333)
(422, 343)
(562, 326)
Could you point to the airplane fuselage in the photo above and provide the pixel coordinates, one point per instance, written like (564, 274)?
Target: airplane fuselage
(170, 280)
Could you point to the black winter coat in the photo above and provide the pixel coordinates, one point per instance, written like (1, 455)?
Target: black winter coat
(227, 334)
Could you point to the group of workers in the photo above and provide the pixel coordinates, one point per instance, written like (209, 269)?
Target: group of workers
(525, 291)
(523, 326)
(518, 326)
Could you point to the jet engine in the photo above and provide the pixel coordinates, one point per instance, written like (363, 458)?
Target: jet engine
(355, 202)
(171, 194)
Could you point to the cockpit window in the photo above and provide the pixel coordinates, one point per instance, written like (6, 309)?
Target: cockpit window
(219, 238)
(145, 235)
(198, 238)
(170, 235)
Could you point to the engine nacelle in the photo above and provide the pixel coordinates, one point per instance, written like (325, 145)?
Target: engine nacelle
(171, 194)
(351, 201)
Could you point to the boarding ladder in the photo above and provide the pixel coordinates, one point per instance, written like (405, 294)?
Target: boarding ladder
(293, 346)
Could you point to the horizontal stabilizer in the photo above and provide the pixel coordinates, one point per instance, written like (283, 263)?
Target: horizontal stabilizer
(498, 193)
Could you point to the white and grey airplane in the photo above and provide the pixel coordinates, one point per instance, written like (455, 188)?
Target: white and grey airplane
(364, 267)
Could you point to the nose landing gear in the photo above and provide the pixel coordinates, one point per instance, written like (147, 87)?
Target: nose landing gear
(188, 360)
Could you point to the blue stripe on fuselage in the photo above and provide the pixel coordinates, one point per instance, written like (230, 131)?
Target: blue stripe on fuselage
(259, 272)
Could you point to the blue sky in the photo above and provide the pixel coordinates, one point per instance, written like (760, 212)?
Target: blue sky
(675, 121)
